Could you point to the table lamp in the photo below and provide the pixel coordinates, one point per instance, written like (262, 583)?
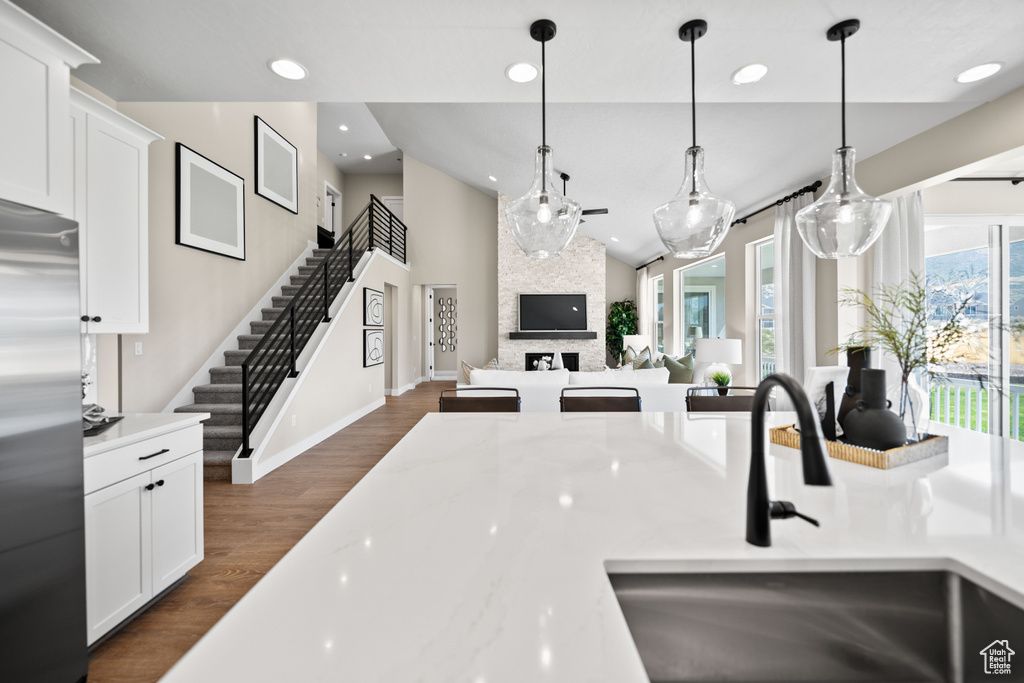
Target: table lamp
(719, 352)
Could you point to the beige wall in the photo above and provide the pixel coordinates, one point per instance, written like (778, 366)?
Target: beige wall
(327, 172)
(196, 298)
(620, 284)
(355, 194)
(453, 241)
(975, 198)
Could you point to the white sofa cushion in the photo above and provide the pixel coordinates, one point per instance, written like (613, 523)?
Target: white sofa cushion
(518, 378)
(620, 377)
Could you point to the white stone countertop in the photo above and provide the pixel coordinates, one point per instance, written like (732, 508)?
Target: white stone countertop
(477, 549)
(138, 427)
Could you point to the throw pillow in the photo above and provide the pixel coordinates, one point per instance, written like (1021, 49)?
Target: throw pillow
(646, 365)
(680, 371)
(641, 358)
(492, 364)
(660, 363)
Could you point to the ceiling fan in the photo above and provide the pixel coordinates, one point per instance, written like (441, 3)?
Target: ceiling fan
(585, 212)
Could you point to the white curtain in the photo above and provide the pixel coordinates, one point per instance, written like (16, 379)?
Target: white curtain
(643, 303)
(794, 293)
(898, 253)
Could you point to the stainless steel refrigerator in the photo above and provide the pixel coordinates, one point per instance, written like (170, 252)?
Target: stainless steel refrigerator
(42, 538)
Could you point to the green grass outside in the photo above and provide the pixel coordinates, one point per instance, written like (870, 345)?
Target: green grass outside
(968, 418)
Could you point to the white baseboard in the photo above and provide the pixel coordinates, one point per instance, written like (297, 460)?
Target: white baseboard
(408, 387)
(202, 375)
(445, 375)
(242, 470)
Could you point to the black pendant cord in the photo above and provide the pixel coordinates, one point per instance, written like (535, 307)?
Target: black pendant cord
(693, 88)
(842, 44)
(543, 116)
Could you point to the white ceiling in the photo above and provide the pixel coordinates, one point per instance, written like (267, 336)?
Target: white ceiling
(433, 74)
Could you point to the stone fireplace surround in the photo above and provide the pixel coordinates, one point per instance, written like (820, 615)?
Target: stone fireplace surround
(580, 268)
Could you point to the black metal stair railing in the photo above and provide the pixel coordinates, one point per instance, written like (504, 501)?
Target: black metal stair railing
(274, 357)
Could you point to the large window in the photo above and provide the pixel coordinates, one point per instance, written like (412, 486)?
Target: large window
(701, 312)
(981, 262)
(658, 297)
(765, 284)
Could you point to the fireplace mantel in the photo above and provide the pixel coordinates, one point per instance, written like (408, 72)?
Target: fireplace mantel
(553, 335)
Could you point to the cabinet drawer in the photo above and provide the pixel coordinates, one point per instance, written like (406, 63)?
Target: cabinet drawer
(117, 464)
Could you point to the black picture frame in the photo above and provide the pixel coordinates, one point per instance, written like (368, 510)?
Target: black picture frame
(210, 205)
(277, 166)
(373, 347)
(373, 307)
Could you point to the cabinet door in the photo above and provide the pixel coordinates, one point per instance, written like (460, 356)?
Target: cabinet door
(118, 552)
(33, 123)
(177, 519)
(117, 219)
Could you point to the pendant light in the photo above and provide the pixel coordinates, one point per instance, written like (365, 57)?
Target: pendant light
(694, 222)
(544, 220)
(844, 221)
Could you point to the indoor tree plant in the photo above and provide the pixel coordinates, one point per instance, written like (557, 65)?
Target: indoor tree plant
(897, 323)
(622, 320)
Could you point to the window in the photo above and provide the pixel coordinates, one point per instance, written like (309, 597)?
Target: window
(765, 284)
(658, 297)
(980, 261)
(701, 312)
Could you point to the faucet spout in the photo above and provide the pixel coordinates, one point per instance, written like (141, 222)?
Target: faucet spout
(760, 508)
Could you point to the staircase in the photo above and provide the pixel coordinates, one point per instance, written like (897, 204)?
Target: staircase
(222, 397)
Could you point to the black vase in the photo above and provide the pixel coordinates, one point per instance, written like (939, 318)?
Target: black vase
(871, 424)
(856, 360)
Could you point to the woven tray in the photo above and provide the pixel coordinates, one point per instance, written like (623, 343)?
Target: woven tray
(930, 445)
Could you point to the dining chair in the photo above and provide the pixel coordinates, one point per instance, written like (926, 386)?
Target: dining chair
(708, 399)
(602, 403)
(453, 400)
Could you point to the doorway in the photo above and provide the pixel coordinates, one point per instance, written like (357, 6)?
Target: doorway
(332, 224)
(391, 386)
(441, 334)
(395, 205)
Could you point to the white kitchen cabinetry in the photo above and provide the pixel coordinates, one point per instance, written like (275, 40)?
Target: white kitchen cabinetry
(110, 155)
(143, 514)
(35, 67)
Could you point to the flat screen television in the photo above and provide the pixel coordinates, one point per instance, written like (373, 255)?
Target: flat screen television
(552, 312)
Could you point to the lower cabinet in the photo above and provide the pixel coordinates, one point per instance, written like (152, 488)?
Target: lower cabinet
(142, 533)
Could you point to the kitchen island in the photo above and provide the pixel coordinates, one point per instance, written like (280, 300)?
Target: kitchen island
(478, 548)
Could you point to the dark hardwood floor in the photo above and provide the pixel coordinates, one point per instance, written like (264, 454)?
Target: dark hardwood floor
(248, 529)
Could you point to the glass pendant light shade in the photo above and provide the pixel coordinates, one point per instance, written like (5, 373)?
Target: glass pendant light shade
(694, 222)
(844, 221)
(543, 221)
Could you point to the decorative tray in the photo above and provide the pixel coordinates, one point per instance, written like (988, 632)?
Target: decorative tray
(105, 423)
(930, 445)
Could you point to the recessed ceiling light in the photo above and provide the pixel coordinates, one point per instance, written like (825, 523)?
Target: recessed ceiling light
(615, 239)
(343, 154)
(343, 127)
(367, 157)
(286, 68)
(493, 179)
(977, 73)
(751, 73)
(522, 72)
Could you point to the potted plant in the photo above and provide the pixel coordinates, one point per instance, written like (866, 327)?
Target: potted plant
(897, 321)
(722, 379)
(622, 320)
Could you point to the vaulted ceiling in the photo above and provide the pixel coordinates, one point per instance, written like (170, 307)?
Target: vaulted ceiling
(432, 77)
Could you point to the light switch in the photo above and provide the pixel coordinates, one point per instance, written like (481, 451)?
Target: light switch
(138, 348)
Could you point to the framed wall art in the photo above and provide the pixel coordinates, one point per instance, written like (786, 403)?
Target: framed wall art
(373, 347)
(210, 205)
(277, 167)
(373, 307)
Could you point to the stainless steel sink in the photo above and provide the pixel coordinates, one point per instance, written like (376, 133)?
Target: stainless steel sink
(815, 626)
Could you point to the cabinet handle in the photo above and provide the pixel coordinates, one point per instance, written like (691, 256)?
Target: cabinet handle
(149, 487)
(147, 457)
(96, 318)
(85, 318)
(160, 483)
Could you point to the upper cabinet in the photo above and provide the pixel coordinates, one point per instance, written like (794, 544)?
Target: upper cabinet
(35, 67)
(111, 204)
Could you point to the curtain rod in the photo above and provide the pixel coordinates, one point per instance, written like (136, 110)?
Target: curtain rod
(660, 258)
(1015, 181)
(782, 200)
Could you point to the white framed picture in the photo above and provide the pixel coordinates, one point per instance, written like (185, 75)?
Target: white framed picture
(211, 205)
(277, 167)
(373, 347)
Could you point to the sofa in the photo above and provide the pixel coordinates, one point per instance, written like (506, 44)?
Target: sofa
(540, 390)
